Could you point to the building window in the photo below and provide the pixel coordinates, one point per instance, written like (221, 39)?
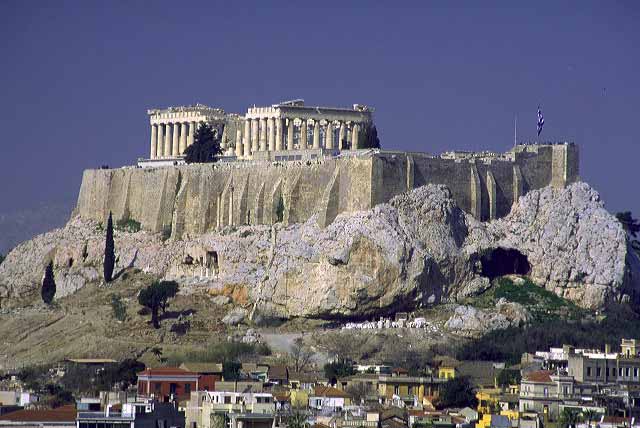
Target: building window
(227, 399)
(546, 392)
(410, 390)
(187, 388)
(607, 372)
(157, 386)
(589, 371)
(396, 390)
(598, 371)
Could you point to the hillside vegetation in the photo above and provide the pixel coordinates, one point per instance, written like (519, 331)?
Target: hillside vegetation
(542, 304)
(556, 322)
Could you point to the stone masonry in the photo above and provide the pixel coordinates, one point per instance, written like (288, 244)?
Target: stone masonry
(186, 200)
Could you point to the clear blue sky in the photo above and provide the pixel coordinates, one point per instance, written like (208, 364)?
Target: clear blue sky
(77, 77)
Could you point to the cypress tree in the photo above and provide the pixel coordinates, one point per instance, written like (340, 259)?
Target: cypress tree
(48, 285)
(205, 147)
(109, 251)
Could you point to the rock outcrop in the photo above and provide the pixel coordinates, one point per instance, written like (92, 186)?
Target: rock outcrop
(575, 248)
(470, 322)
(418, 249)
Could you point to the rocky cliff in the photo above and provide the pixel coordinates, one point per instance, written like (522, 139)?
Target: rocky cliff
(419, 249)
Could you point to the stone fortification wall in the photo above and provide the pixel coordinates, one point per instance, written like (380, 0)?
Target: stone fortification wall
(485, 186)
(192, 199)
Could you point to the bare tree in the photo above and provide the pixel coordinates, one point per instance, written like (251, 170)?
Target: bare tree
(359, 390)
(300, 355)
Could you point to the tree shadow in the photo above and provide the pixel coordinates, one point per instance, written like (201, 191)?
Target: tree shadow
(129, 266)
(176, 314)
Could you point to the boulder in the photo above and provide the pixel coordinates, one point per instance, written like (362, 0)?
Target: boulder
(235, 316)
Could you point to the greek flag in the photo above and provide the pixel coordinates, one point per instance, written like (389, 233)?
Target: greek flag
(540, 121)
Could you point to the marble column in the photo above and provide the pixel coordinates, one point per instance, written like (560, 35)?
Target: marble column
(290, 134)
(255, 129)
(192, 132)
(154, 141)
(279, 136)
(354, 136)
(238, 142)
(303, 134)
(167, 140)
(316, 134)
(247, 138)
(175, 146)
(160, 141)
(263, 134)
(183, 137)
(328, 136)
(342, 135)
(272, 134)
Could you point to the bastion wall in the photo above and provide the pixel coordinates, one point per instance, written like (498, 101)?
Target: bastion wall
(187, 200)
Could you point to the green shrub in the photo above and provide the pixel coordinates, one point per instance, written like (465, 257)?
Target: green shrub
(118, 307)
(129, 225)
(220, 352)
(541, 303)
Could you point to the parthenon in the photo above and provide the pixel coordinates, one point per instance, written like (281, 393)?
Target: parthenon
(285, 127)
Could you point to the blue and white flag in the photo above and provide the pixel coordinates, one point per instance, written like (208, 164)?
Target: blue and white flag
(540, 121)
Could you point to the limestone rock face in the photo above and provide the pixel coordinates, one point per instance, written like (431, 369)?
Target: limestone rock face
(576, 249)
(418, 249)
(469, 321)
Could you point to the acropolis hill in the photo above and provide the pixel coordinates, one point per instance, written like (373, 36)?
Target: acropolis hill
(302, 217)
(288, 162)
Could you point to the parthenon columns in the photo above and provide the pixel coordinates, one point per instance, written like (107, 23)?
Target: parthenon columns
(329, 136)
(342, 135)
(247, 138)
(263, 135)
(167, 139)
(160, 141)
(183, 137)
(192, 132)
(176, 139)
(272, 133)
(279, 136)
(316, 134)
(303, 134)
(238, 142)
(290, 134)
(255, 127)
(154, 141)
(354, 136)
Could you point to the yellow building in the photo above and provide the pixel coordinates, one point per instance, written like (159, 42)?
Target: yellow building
(493, 421)
(496, 401)
(446, 367)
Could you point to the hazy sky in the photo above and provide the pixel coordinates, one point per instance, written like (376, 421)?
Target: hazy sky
(77, 77)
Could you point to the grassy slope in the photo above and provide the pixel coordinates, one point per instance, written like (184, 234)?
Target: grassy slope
(82, 325)
(556, 322)
(543, 304)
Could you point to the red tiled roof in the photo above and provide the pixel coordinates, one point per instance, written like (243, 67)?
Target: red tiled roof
(61, 414)
(166, 371)
(328, 391)
(539, 376)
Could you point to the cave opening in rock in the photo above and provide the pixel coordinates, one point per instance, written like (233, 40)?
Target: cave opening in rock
(504, 261)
